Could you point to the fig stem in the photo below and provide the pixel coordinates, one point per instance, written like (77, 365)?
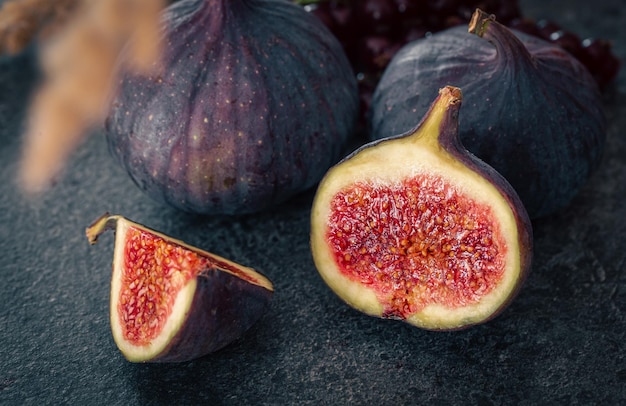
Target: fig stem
(508, 46)
(103, 223)
(428, 132)
(479, 22)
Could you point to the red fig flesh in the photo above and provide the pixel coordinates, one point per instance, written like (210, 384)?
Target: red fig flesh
(174, 302)
(416, 228)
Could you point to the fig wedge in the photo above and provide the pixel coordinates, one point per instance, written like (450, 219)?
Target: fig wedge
(171, 302)
(415, 228)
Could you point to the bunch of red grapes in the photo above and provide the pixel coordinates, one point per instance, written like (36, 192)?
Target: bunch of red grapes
(372, 31)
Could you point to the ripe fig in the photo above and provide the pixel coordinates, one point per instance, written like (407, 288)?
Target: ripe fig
(416, 228)
(536, 112)
(254, 102)
(172, 302)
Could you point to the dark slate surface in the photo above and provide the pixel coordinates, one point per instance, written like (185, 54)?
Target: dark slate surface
(563, 341)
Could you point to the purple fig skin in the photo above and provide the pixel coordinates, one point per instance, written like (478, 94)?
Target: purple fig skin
(255, 101)
(224, 307)
(533, 112)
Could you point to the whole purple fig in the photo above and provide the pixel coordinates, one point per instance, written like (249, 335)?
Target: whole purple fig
(533, 112)
(255, 100)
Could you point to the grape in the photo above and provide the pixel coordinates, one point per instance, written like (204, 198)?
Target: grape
(547, 28)
(377, 15)
(323, 13)
(444, 7)
(372, 31)
(375, 52)
(569, 42)
(527, 26)
(600, 60)
(409, 8)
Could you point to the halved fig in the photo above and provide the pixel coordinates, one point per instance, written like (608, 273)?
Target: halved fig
(414, 227)
(172, 302)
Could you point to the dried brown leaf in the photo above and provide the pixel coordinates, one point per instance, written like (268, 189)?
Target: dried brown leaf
(23, 20)
(78, 64)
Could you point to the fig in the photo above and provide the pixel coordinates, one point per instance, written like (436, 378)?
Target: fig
(416, 228)
(536, 112)
(252, 102)
(171, 302)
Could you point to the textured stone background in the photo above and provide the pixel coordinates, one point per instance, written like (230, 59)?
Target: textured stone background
(563, 341)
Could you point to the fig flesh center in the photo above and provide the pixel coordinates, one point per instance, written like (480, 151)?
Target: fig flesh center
(416, 242)
(154, 272)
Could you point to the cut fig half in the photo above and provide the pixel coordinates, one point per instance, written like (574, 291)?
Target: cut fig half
(172, 302)
(414, 227)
